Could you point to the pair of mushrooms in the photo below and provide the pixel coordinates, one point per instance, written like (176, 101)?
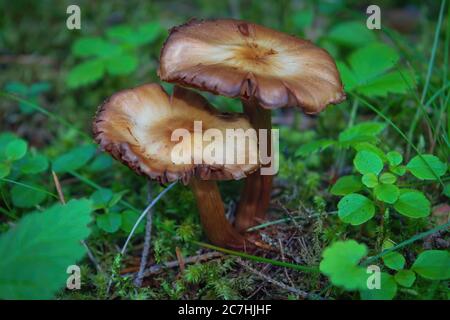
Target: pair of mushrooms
(266, 69)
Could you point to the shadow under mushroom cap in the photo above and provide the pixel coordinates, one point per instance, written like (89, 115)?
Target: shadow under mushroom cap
(136, 127)
(240, 59)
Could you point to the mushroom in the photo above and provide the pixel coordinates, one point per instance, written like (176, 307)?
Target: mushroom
(265, 68)
(136, 127)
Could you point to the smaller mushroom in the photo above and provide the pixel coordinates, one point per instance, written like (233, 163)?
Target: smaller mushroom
(137, 125)
(265, 68)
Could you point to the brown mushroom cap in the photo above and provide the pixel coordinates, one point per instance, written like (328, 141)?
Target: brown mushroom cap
(136, 126)
(240, 59)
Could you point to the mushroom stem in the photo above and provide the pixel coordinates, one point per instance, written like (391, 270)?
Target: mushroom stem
(255, 196)
(212, 216)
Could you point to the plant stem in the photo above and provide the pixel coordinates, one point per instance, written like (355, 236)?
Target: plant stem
(212, 216)
(255, 197)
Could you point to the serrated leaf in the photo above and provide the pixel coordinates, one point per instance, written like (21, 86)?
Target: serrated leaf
(74, 159)
(368, 162)
(340, 264)
(355, 209)
(413, 204)
(345, 185)
(109, 222)
(405, 278)
(372, 60)
(427, 167)
(27, 197)
(394, 260)
(388, 193)
(85, 73)
(433, 265)
(366, 131)
(37, 251)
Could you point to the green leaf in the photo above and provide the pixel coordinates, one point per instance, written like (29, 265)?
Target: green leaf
(367, 146)
(405, 278)
(413, 204)
(5, 169)
(85, 73)
(394, 260)
(314, 146)
(40, 87)
(387, 290)
(74, 159)
(100, 198)
(368, 162)
(388, 178)
(446, 190)
(121, 64)
(352, 33)
(372, 60)
(369, 72)
(370, 180)
(94, 46)
(345, 185)
(398, 170)
(433, 265)
(394, 158)
(424, 167)
(149, 32)
(355, 209)
(37, 251)
(17, 88)
(27, 197)
(109, 222)
(366, 131)
(32, 164)
(102, 162)
(16, 149)
(129, 218)
(340, 264)
(388, 193)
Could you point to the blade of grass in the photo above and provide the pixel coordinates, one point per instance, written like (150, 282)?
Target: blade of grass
(407, 242)
(294, 266)
(44, 111)
(29, 187)
(429, 72)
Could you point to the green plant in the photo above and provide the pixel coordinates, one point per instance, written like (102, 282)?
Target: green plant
(116, 53)
(344, 265)
(31, 93)
(38, 250)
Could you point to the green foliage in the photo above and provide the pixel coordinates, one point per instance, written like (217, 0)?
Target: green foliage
(340, 264)
(426, 167)
(37, 251)
(30, 93)
(371, 72)
(355, 209)
(368, 162)
(115, 54)
(74, 159)
(433, 264)
(345, 185)
(351, 34)
(405, 278)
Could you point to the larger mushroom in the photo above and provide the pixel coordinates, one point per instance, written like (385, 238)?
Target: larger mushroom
(265, 68)
(136, 126)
